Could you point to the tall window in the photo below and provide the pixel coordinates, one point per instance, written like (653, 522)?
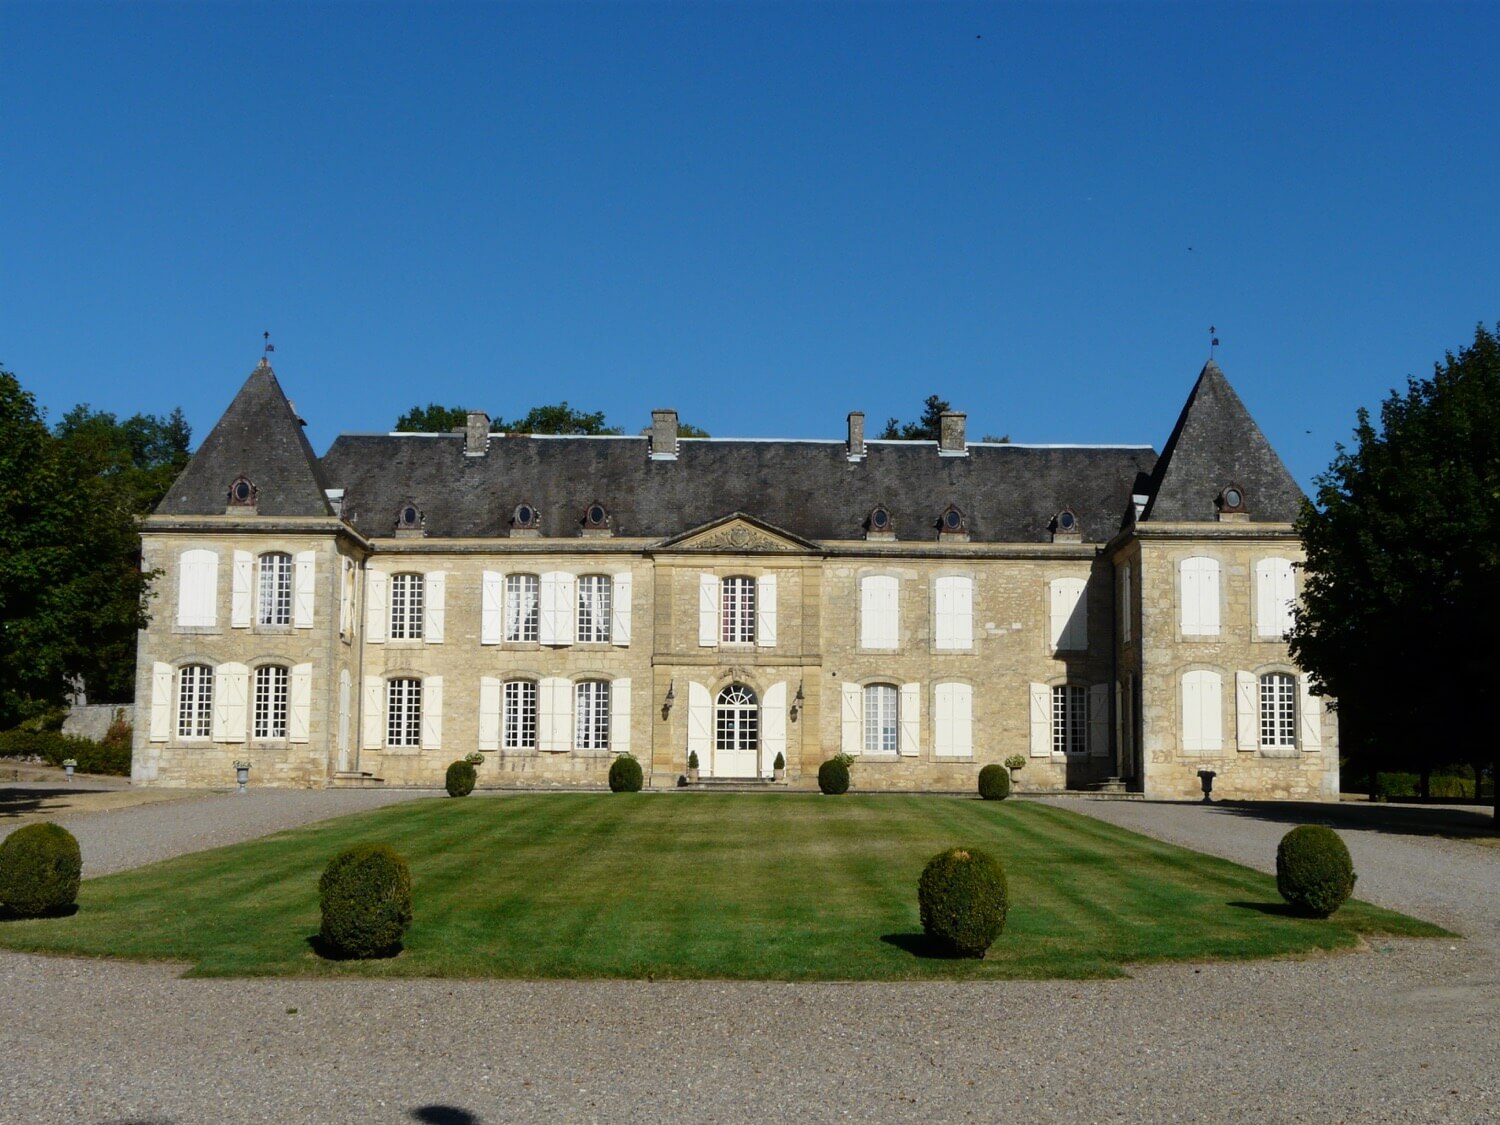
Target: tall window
(737, 621)
(520, 715)
(882, 728)
(1069, 719)
(591, 711)
(737, 720)
(270, 701)
(406, 607)
(403, 709)
(195, 701)
(275, 589)
(594, 592)
(521, 607)
(1278, 710)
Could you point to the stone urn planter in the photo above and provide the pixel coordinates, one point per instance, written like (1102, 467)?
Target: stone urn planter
(1014, 763)
(692, 769)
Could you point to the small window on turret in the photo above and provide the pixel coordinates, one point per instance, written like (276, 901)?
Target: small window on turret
(242, 493)
(408, 518)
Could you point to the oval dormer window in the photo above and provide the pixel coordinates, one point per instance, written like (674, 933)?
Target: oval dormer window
(1067, 521)
(596, 516)
(409, 516)
(880, 520)
(524, 515)
(1234, 498)
(953, 521)
(241, 492)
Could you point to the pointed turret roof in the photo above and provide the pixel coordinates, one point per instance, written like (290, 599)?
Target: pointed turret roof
(1216, 443)
(260, 438)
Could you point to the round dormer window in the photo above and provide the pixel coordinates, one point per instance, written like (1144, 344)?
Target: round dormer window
(524, 515)
(409, 516)
(1067, 521)
(1233, 498)
(880, 519)
(241, 491)
(596, 516)
(953, 521)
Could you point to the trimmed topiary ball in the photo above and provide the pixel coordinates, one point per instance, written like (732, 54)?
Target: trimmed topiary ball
(625, 775)
(461, 778)
(833, 777)
(1313, 870)
(963, 901)
(39, 869)
(994, 782)
(365, 895)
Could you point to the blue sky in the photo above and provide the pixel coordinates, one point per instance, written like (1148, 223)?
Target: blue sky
(763, 215)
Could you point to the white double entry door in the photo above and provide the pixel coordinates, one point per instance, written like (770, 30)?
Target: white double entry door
(736, 732)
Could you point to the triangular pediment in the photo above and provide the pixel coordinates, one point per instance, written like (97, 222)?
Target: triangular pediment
(738, 533)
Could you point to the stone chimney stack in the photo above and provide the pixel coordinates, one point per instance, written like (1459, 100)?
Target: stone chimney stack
(856, 434)
(477, 434)
(951, 434)
(664, 435)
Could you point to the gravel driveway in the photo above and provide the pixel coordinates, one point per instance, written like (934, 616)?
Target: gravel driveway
(1404, 1032)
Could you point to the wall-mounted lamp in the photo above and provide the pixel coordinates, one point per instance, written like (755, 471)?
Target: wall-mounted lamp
(671, 698)
(797, 701)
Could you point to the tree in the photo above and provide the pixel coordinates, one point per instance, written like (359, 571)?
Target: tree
(1401, 602)
(929, 428)
(432, 419)
(558, 418)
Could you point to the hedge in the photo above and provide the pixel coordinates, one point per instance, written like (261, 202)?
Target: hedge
(110, 756)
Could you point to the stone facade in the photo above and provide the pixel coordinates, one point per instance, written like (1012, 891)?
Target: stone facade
(927, 607)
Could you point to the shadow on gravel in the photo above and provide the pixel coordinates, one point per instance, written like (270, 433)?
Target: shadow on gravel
(20, 802)
(444, 1115)
(1400, 820)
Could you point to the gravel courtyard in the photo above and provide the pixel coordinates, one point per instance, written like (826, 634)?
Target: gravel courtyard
(1406, 1031)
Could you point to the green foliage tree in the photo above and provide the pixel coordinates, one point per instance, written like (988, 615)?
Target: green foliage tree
(432, 419)
(927, 428)
(558, 418)
(1403, 569)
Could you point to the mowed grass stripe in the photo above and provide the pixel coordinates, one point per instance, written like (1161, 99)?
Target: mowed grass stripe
(705, 885)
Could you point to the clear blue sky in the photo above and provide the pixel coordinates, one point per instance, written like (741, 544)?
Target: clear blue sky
(763, 215)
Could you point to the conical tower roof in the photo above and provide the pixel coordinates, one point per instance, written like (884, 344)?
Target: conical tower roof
(260, 438)
(1216, 443)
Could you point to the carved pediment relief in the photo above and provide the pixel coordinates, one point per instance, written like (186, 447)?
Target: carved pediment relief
(739, 533)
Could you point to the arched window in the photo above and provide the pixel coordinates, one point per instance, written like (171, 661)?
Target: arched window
(406, 607)
(195, 701)
(737, 621)
(275, 605)
(270, 702)
(521, 607)
(591, 713)
(403, 699)
(594, 601)
(736, 731)
(882, 719)
(1278, 709)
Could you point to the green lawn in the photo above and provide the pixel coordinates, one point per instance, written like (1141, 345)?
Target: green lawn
(721, 886)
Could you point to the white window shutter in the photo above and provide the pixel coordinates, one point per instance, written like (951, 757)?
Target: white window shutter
(879, 611)
(161, 701)
(304, 582)
(489, 713)
(231, 691)
(376, 590)
(1192, 597)
(434, 608)
(567, 607)
(372, 714)
(942, 720)
(299, 704)
(963, 613)
(346, 592)
(346, 684)
(911, 719)
(1125, 607)
(1275, 594)
(1309, 715)
(1099, 720)
(1209, 607)
(1202, 711)
(1247, 710)
(239, 590)
(1069, 615)
(765, 611)
(619, 716)
(700, 725)
(1286, 596)
(551, 605)
(197, 588)
(852, 718)
(708, 611)
(554, 714)
(432, 713)
(772, 726)
(492, 609)
(619, 633)
(1200, 597)
(955, 720)
(1041, 721)
(953, 610)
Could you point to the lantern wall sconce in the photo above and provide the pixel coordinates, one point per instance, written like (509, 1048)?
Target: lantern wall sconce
(797, 701)
(671, 698)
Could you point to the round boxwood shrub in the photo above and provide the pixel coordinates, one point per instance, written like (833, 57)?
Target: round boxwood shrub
(625, 775)
(833, 776)
(365, 894)
(461, 778)
(1313, 870)
(963, 901)
(39, 869)
(994, 782)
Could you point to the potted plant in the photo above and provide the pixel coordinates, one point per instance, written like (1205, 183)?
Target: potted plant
(241, 774)
(778, 767)
(1014, 764)
(69, 765)
(693, 766)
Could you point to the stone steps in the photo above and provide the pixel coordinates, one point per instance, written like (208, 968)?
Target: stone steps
(356, 779)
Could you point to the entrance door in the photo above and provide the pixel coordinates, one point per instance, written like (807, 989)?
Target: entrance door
(736, 732)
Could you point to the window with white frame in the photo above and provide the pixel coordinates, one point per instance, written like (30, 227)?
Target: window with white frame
(403, 712)
(519, 715)
(1275, 595)
(195, 701)
(406, 607)
(736, 720)
(1200, 596)
(270, 702)
(882, 719)
(275, 601)
(591, 715)
(1278, 709)
(521, 607)
(595, 595)
(737, 612)
(1070, 719)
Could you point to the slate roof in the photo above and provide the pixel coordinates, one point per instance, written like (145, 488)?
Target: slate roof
(1217, 443)
(1009, 493)
(261, 438)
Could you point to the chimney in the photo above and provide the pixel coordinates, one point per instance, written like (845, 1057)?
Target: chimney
(476, 434)
(951, 435)
(664, 435)
(856, 435)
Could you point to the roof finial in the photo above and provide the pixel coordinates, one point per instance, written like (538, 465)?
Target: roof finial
(1213, 341)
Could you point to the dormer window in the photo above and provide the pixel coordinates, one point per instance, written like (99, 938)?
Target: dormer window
(596, 518)
(242, 493)
(879, 520)
(526, 518)
(1232, 500)
(952, 523)
(409, 518)
(1064, 527)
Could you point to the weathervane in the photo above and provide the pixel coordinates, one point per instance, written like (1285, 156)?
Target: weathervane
(270, 347)
(1213, 340)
